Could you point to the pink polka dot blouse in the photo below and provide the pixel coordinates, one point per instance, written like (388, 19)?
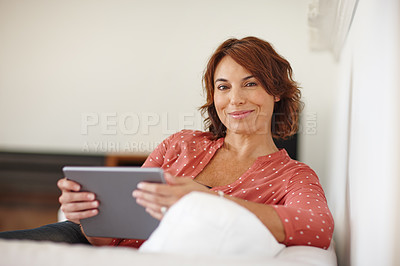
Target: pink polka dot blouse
(291, 187)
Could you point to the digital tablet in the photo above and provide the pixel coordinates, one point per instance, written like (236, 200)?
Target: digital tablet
(119, 215)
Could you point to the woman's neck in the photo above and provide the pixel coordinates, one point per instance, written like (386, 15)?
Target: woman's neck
(249, 146)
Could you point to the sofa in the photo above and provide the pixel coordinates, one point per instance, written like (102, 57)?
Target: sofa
(200, 229)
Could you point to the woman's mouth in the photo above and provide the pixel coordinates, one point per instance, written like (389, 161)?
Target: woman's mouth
(240, 114)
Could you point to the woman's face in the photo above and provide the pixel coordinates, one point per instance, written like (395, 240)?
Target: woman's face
(242, 104)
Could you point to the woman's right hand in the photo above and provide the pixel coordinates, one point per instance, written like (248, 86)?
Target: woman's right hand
(76, 205)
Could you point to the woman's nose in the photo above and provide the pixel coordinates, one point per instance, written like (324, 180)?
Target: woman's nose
(237, 96)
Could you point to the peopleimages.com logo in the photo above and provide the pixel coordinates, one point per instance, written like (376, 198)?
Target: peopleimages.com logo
(309, 127)
(114, 123)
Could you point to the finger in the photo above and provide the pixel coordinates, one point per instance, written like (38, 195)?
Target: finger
(155, 214)
(80, 206)
(161, 189)
(65, 184)
(68, 197)
(167, 177)
(174, 180)
(155, 207)
(77, 216)
(153, 198)
(148, 204)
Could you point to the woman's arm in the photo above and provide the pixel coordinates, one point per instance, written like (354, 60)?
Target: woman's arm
(304, 211)
(303, 218)
(266, 214)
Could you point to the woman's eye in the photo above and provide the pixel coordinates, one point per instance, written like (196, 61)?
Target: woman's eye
(222, 87)
(251, 84)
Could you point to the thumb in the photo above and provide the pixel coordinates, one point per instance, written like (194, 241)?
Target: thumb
(172, 180)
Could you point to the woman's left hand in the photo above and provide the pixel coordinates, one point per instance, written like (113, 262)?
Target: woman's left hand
(157, 198)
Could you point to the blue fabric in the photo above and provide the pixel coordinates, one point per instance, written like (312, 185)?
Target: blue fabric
(67, 232)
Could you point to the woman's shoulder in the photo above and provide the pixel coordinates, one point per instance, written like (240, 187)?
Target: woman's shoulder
(282, 161)
(192, 135)
(300, 170)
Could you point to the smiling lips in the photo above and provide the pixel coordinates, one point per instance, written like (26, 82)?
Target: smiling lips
(240, 114)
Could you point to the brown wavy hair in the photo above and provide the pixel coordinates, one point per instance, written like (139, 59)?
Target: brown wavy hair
(271, 70)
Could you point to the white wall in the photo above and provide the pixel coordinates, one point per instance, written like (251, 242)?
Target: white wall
(374, 149)
(364, 172)
(139, 60)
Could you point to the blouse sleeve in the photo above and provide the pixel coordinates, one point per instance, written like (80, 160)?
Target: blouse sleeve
(305, 214)
(157, 157)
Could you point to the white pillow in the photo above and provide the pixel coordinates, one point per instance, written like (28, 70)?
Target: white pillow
(204, 224)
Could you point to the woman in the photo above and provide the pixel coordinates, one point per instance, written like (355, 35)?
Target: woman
(251, 99)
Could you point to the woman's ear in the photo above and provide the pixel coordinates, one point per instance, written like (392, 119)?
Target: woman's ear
(277, 98)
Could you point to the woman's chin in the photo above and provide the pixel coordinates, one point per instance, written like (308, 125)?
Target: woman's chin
(246, 131)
